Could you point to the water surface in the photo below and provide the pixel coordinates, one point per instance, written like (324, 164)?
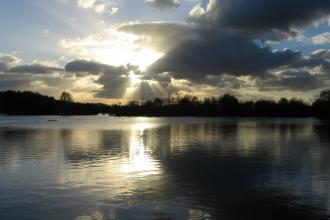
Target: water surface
(101, 167)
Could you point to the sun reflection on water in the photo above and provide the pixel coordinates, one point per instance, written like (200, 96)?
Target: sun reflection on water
(140, 161)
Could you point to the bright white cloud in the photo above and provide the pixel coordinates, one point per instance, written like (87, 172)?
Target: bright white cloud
(112, 47)
(321, 39)
(99, 6)
(86, 3)
(198, 10)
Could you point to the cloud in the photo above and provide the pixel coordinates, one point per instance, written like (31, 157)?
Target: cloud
(112, 47)
(218, 60)
(85, 66)
(11, 64)
(6, 61)
(319, 59)
(302, 81)
(15, 82)
(197, 11)
(199, 52)
(257, 17)
(99, 6)
(221, 54)
(34, 68)
(160, 35)
(226, 82)
(222, 46)
(321, 39)
(115, 82)
(46, 80)
(322, 53)
(50, 84)
(118, 82)
(42, 77)
(81, 77)
(163, 4)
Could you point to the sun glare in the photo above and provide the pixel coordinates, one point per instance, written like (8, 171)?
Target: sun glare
(114, 48)
(145, 57)
(140, 162)
(135, 79)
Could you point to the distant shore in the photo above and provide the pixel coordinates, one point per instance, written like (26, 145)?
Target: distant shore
(29, 103)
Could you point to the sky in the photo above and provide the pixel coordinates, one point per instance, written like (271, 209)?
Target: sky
(119, 50)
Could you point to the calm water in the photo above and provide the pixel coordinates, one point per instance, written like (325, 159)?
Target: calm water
(101, 168)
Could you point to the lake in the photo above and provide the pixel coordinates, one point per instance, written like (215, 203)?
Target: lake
(101, 167)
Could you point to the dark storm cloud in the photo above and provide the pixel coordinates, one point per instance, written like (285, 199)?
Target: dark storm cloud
(93, 67)
(225, 82)
(163, 4)
(222, 40)
(318, 59)
(218, 53)
(199, 52)
(292, 81)
(85, 66)
(34, 68)
(321, 58)
(261, 16)
(215, 48)
(114, 87)
(163, 36)
(115, 81)
(29, 81)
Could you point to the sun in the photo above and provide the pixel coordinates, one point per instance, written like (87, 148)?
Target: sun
(134, 83)
(134, 79)
(113, 47)
(145, 57)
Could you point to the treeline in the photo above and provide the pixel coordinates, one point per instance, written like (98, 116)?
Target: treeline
(28, 103)
(226, 105)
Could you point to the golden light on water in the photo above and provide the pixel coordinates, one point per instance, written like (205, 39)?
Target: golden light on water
(119, 171)
(140, 162)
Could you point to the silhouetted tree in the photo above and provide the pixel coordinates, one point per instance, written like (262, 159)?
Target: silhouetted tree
(229, 105)
(29, 103)
(283, 102)
(321, 106)
(66, 97)
(158, 102)
(266, 108)
(325, 96)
